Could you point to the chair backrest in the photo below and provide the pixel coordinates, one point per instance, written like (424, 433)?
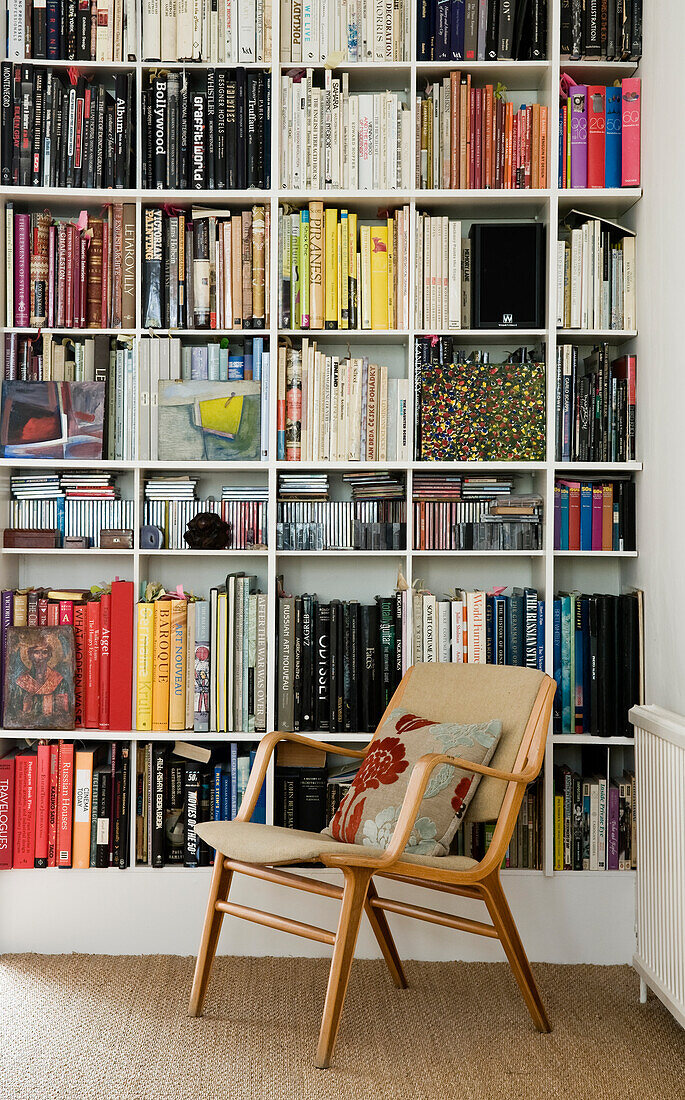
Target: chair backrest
(476, 693)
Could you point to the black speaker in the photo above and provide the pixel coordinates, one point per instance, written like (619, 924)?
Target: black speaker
(508, 275)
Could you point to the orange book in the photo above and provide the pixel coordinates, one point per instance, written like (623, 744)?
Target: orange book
(160, 675)
(607, 516)
(83, 789)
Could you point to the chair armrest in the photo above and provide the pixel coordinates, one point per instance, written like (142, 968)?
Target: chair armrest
(418, 781)
(264, 754)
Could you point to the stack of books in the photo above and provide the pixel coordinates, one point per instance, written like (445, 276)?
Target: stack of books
(594, 514)
(599, 135)
(312, 34)
(474, 513)
(244, 509)
(339, 409)
(595, 274)
(341, 525)
(592, 33)
(335, 138)
(478, 628)
(105, 34)
(79, 504)
(335, 274)
(438, 280)
(238, 35)
(594, 821)
(473, 31)
(595, 405)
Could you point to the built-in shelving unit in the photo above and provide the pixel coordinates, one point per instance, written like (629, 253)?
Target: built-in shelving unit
(338, 573)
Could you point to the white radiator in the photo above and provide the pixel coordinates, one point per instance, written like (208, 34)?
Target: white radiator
(660, 786)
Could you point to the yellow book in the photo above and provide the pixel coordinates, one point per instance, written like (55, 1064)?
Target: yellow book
(353, 302)
(177, 672)
(558, 832)
(190, 665)
(83, 790)
(144, 666)
(160, 673)
(345, 271)
(379, 276)
(331, 268)
(316, 264)
(392, 323)
(365, 274)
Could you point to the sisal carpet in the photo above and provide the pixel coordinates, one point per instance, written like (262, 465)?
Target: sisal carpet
(85, 1027)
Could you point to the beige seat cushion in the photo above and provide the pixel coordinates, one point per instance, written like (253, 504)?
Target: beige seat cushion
(470, 694)
(250, 842)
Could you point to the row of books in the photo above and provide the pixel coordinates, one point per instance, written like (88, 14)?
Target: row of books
(595, 405)
(474, 30)
(312, 32)
(64, 133)
(207, 271)
(595, 821)
(473, 137)
(246, 520)
(211, 372)
(472, 409)
(338, 409)
(442, 258)
(511, 523)
(71, 274)
(598, 662)
(594, 514)
(73, 505)
(335, 138)
(64, 33)
(591, 31)
(178, 787)
(65, 804)
(341, 525)
(238, 33)
(50, 358)
(595, 275)
(100, 686)
(334, 274)
(525, 847)
(480, 628)
(207, 130)
(599, 135)
(339, 661)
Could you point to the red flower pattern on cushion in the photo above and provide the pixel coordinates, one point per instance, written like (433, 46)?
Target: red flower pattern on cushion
(411, 722)
(460, 793)
(385, 762)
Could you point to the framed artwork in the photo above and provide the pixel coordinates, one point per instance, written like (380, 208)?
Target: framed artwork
(39, 678)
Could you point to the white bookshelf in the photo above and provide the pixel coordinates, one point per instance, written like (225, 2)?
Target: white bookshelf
(53, 910)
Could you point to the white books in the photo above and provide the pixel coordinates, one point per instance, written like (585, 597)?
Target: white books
(308, 31)
(443, 608)
(561, 253)
(576, 277)
(246, 31)
(429, 641)
(629, 302)
(454, 276)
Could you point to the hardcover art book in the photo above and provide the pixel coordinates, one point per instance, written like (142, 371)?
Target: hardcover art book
(39, 678)
(52, 419)
(216, 421)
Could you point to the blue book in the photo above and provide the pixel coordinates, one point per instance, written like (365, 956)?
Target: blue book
(556, 657)
(198, 363)
(515, 629)
(540, 649)
(563, 502)
(60, 514)
(613, 138)
(586, 517)
(257, 352)
(456, 30)
(259, 812)
(236, 367)
(442, 31)
(565, 664)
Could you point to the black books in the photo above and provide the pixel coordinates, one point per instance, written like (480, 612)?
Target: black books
(206, 129)
(481, 30)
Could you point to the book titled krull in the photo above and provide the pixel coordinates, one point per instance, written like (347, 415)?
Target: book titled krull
(39, 678)
(217, 421)
(52, 419)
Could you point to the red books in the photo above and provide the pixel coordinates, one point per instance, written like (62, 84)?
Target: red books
(66, 613)
(24, 810)
(596, 109)
(6, 812)
(121, 656)
(42, 806)
(92, 677)
(631, 100)
(65, 800)
(79, 671)
(43, 611)
(105, 633)
(53, 792)
(53, 614)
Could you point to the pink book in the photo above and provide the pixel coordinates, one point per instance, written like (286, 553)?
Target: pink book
(22, 260)
(578, 94)
(631, 100)
(596, 517)
(52, 239)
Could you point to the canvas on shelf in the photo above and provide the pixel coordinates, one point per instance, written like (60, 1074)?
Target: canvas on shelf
(52, 419)
(39, 678)
(211, 421)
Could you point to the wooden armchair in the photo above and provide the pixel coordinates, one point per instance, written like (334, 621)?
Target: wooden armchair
(522, 700)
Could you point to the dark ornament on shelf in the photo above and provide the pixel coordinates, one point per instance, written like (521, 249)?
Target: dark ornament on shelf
(207, 531)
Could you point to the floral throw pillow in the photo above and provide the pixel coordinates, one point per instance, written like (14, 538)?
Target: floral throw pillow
(369, 811)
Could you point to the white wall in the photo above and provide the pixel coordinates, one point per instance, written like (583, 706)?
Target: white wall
(660, 222)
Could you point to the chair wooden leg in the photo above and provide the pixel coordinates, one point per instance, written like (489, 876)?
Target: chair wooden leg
(507, 931)
(218, 890)
(354, 896)
(381, 930)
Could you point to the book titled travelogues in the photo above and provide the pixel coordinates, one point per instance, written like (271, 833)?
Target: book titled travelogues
(215, 421)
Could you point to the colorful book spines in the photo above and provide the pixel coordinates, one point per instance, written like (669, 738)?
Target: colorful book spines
(144, 666)
(599, 136)
(177, 672)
